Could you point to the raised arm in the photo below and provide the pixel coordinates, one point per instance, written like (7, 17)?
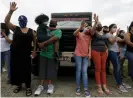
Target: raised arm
(8, 17)
(127, 40)
(96, 19)
(80, 28)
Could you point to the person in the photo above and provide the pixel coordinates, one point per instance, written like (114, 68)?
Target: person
(99, 57)
(48, 65)
(105, 31)
(82, 57)
(42, 31)
(129, 50)
(122, 48)
(122, 56)
(6, 39)
(113, 55)
(21, 51)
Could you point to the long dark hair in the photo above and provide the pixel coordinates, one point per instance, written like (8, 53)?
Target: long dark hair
(131, 25)
(111, 26)
(4, 27)
(119, 35)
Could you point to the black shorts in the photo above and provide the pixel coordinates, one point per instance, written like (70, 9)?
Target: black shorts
(48, 69)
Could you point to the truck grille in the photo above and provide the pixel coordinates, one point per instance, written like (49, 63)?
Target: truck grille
(68, 41)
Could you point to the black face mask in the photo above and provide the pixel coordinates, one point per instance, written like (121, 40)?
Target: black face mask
(105, 31)
(98, 28)
(52, 25)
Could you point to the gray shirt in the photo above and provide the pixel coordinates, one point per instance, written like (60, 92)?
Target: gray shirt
(113, 47)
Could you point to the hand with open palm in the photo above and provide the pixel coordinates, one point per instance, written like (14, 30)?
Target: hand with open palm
(96, 18)
(13, 6)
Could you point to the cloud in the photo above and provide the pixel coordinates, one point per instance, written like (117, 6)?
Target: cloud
(109, 11)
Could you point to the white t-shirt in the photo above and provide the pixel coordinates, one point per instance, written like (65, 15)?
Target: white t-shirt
(113, 47)
(4, 45)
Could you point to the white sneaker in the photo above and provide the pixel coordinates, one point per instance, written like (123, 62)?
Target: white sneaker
(50, 89)
(122, 89)
(3, 69)
(39, 90)
(126, 85)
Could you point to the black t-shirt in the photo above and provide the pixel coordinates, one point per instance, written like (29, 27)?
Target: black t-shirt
(129, 48)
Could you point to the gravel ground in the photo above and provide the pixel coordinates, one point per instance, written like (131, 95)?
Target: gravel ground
(65, 87)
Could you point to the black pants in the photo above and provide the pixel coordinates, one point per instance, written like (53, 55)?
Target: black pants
(27, 84)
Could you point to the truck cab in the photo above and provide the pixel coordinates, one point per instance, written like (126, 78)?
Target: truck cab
(68, 23)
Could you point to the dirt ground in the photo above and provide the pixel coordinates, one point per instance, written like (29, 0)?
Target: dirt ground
(65, 87)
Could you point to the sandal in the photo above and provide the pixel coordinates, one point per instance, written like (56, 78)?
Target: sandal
(17, 89)
(100, 91)
(28, 92)
(107, 91)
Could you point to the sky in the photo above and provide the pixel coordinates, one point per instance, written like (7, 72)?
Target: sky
(109, 11)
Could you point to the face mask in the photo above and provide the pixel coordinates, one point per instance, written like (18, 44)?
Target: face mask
(22, 24)
(52, 25)
(98, 28)
(45, 23)
(114, 30)
(105, 31)
(85, 29)
(122, 34)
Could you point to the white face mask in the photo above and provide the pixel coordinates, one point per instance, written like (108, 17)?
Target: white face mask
(45, 23)
(122, 34)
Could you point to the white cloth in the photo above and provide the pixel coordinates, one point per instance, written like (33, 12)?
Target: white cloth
(4, 45)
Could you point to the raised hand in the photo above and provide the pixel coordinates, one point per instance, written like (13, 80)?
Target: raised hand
(13, 6)
(117, 32)
(96, 18)
(83, 24)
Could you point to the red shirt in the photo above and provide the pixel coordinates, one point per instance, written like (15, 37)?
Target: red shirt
(82, 44)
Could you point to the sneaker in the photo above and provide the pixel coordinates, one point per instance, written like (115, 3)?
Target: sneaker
(87, 94)
(126, 85)
(50, 89)
(78, 91)
(122, 89)
(39, 90)
(3, 69)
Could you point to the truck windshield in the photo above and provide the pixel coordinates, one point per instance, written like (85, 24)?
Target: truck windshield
(68, 24)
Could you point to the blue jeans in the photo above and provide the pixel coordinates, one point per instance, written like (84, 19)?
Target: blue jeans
(5, 59)
(129, 56)
(82, 64)
(113, 57)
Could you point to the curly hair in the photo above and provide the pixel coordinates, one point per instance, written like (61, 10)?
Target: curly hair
(41, 18)
(4, 27)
